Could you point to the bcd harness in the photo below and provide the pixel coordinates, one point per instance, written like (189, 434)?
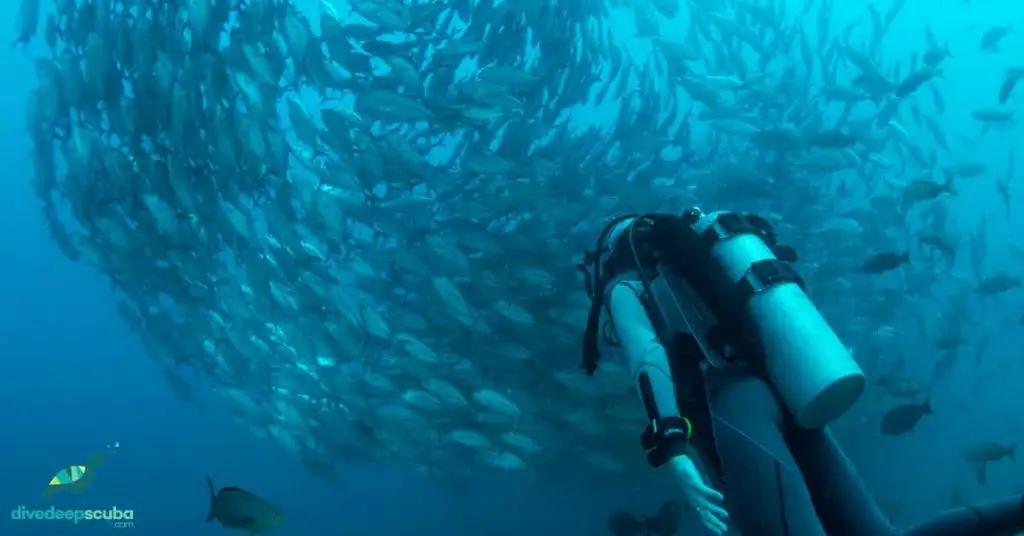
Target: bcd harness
(668, 247)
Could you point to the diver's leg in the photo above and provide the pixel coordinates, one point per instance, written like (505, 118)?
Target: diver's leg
(1000, 518)
(765, 492)
(843, 502)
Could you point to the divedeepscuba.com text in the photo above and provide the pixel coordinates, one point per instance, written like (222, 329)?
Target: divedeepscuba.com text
(119, 517)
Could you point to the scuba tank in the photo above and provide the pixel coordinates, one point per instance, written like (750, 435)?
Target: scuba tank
(738, 300)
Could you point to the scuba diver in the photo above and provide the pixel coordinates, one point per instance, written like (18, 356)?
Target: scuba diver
(740, 376)
(664, 523)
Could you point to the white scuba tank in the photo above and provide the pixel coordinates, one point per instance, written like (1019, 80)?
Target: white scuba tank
(813, 372)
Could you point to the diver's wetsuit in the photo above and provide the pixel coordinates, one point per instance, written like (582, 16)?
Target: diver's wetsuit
(780, 479)
(783, 480)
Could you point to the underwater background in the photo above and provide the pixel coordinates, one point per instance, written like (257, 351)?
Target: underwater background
(74, 380)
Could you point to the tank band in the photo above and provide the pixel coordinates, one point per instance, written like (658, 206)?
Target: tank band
(761, 275)
(732, 224)
(765, 274)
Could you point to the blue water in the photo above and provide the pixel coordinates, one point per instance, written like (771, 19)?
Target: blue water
(74, 380)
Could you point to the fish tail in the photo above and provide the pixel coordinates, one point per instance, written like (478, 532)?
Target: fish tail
(213, 496)
(949, 186)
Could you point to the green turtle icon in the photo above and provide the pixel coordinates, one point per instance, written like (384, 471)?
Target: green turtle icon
(74, 478)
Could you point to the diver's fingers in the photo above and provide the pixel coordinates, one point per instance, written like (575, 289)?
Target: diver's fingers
(715, 510)
(711, 494)
(714, 524)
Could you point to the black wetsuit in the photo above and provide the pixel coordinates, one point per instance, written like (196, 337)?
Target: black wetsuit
(783, 480)
(778, 479)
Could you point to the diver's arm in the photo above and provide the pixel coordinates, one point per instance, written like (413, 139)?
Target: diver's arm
(648, 364)
(667, 436)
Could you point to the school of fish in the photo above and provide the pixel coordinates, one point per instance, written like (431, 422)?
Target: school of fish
(362, 222)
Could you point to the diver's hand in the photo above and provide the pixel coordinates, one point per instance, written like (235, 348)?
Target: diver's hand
(702, 497)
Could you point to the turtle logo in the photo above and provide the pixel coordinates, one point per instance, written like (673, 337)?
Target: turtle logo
(74, 478)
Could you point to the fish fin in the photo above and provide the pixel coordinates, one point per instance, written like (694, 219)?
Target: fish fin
(233, 490)
(949, 186)
(213, 497)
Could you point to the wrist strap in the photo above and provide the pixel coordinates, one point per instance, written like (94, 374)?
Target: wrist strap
(665, 438)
